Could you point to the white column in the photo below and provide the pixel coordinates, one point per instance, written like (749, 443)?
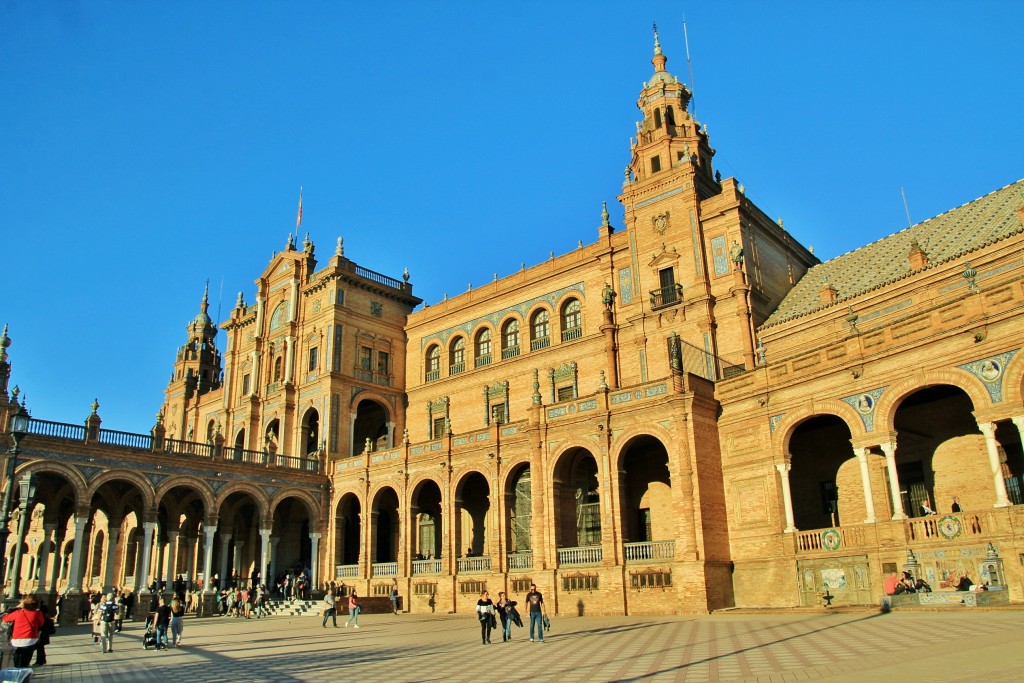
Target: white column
(264, 553)
(113, 536)
(314, 541)
(142, 577)
(225, 545)
(989, 430)
(787, 497)
(865, 477)
(140, 553)
(273, 558)
(172, 556)
(77, 551)
(208, 533)
(289, 346)
(293, 309)
(259, 314)
(44, 556)
(894, 480)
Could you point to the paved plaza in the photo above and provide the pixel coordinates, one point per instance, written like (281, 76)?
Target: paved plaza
(789, 646)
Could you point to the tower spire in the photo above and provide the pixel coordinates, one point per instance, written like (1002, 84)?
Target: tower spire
(659, 59)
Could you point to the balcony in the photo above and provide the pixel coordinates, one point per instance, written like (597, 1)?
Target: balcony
(651, 551)
(421, 567)
(468, 565)
(575, 557)
(540, 343)
(666, 296)
(457, 368)
(433, 375)
(572, 333)
(385, 569)
(483, 360)
(520, 560)
(509, 352)
(245, 455)
(346, 571)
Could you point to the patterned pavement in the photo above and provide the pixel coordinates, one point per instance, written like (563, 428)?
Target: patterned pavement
(750, 648)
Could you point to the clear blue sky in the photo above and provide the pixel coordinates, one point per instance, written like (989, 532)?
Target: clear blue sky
(148, 146)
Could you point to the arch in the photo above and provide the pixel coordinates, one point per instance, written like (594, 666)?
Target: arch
(657, 117)
(278, 316)
(670, 117)
(576, 494)
(540, 328)
(645, 490)
(72, 474)
(311, 503)
(372, 420)
(211, 430)
(518, 489)
(310, 438)
(272, 432)
(791, 420)
(278, 373)
(457, 355)
(201, 487)
(472, 514)
(426, 510)
(1013, 381)
(824, 478)
(888, 402)
(254, 491)
(348, 520)
(571, 318)
(143, 485)
(482, 347)
(432, 363)
(510, 340)
(384, 530)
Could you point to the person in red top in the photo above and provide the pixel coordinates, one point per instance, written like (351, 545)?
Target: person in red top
(25, 633)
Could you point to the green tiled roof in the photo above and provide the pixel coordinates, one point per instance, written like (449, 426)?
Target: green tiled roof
(948, 236)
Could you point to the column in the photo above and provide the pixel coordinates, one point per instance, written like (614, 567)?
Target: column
(140, 553)
(146, 549)
(208, 532)
(314, 562)
(865, 477)
(44, 556)
(77, 550)
(989, 430)
(113, 535)
(264, 549)
(172, 556)
(273, 560)
(289, 344)
(56, 566)
(225, 546)
(787, 497)
(894, 480)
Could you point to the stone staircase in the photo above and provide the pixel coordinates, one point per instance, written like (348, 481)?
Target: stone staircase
(294, 608)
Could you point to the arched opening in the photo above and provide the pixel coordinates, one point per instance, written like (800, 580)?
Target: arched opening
(825, 476)
(472, 505)
(510, 339)
(272, 434)
(482, 348)
(426, 506)
(520, 511)
(236, 552)
(540, 330)
(348, 523)
(433, 363)
(670, 120)
(571, 320)
(311, 431)
(294, 548)
(385, 526)
(278, 369)
(371, 423)
(657, 118)
(239, 444)
(577, 500)
(646, 492)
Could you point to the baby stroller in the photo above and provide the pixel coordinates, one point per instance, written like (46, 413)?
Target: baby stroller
(149, 637)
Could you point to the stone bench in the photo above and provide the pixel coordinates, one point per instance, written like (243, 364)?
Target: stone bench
(948, 598)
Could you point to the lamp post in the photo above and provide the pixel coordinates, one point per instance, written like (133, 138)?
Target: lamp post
(18, 426)
(28, 492)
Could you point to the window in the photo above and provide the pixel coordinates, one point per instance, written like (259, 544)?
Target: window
(383, 362)
(668, 293)
(314, 358)
(277, 318)
(365, 358)
(657, 118)
(336, 350)
(339, 298)
(571, 328)
(278, 363)
(540, 327)
(566, 393)
(510, 340)
(655, 163)
(246, 381)
(433, 363)
(437, 428)
(457, 356)
(498, 413)
(483, 348)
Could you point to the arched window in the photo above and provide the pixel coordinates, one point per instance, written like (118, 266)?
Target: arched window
(211, 431)
(457, 356)
(571, 322)
(433, 363)
(278, 366)
(540, 330)
(510, 340)
(670, 116)
(482, 352)
(277, 319)
(657, 118)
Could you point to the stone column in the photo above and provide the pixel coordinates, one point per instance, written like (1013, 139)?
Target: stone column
(894, 480)
(314, 541)
(989, 430)
(113, 536)
(44, 556)
(225, 545)
(146, 550)
(265, 545)
(77, 551)
(865, 477)
(208, 532)
(172, 557)
(273, 560)
(787, 496)
(140, 553)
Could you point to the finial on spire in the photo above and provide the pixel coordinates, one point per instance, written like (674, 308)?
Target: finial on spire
(240, 303)
(657, 43)
(340, 249)
(604, 213)
(405, 275)
(290, 245)
(306, 244)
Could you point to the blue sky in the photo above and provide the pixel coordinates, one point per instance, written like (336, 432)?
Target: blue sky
(148, 146)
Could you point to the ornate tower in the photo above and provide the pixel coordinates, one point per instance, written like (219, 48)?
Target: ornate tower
(197, 368)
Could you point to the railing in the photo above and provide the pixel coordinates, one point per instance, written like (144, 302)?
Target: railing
(426, 567)
(666, 296)
(472, 564)
(251, 457)
(510, 352)
(456, 368)
(273, 386)
(483, 360)
(520, 560)
(651, 550)
(433, 375)
(126, 439)
(385, 569)
(572, 333)
(925, 529)
(378, 278)
(568, 557)
(60, 430)
(825, 539)
(203, 450)
(346, 571)
(538, 344)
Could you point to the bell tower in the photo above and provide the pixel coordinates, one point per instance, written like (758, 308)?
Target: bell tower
(197, 368)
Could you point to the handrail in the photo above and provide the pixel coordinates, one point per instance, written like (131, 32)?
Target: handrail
(60, 430)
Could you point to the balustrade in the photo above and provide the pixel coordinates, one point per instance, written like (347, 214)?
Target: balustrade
(426, 567)
(568, 557)
(520, 560)
(651, 550)
(346, 571)
(385, 569)
(473, 564)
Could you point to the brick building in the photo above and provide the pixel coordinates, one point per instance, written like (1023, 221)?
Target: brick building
(686, 414)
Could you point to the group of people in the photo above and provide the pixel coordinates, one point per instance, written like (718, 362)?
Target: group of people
(31, 626)
(243, 602)
(926, 507)
(489, 612)
(331, 608)
(906, 584)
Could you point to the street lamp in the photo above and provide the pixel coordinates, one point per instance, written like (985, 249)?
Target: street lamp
(28, 492)
(17, 424)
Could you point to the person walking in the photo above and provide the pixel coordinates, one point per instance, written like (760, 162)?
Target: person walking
(177, 621)
(485, 612)
(48, 628)
(161, 621)
(394, 600)
(535, 599)
(27, 620)
(503, 607)
(353, 610)
(108, 609)
(331, 609)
